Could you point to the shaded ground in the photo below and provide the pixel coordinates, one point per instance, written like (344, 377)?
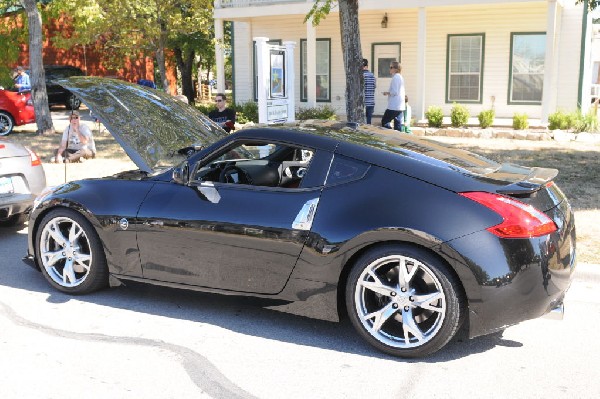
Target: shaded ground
(578, 163)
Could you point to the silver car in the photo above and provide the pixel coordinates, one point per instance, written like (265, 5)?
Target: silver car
(22, 178)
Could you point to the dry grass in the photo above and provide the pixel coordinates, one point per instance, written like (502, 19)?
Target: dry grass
(578, 163)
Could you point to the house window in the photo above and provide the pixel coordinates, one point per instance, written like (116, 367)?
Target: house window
(527, 56)
(323, 73)
(465, 68)
(276, 42)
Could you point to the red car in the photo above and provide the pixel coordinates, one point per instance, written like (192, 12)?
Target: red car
(15, 109)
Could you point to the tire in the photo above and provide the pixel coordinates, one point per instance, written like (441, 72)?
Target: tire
(7, 123)
(73, 102)
(18, 219)
(70, 253)
(407, 314)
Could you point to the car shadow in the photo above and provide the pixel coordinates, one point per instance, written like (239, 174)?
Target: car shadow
(245, 315)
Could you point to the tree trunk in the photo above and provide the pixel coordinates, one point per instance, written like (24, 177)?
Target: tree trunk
(185, 64)
(160, 58)
(39, 96)
(352, 53)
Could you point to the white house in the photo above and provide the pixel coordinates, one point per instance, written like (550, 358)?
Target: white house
(523, 56)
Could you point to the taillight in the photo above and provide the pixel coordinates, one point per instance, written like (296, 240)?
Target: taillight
(35, 160)
(520, 220)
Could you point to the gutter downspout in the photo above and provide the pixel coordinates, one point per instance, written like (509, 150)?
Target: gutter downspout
(582, 52)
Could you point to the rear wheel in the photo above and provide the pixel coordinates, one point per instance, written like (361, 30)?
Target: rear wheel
(15, 220)
(7, 123)
(70, 253)
(404, 301)
(73, 102)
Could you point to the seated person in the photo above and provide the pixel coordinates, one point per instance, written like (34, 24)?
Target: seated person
(223, 116)
(77, 143)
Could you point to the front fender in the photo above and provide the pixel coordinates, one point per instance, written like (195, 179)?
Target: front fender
(103, 202)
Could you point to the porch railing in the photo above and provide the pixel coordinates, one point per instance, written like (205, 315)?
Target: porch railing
(248, 3)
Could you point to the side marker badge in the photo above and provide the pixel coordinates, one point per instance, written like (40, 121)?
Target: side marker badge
(123, 224)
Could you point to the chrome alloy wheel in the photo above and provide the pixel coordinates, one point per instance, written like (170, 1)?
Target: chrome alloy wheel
(65, 252)
(400, 301)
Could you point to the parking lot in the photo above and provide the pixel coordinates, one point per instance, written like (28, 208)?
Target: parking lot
(141, 341)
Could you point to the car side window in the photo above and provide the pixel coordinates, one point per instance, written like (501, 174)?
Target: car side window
(344, 170)
(264, 164)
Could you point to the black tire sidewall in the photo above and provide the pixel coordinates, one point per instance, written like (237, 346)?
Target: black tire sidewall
(98, 274)
(454, 299)
(10, 120)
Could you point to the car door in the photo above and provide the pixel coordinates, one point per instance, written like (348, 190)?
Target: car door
(227, 236)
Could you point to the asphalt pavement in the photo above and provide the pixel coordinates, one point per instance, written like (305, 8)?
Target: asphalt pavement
(152, 342)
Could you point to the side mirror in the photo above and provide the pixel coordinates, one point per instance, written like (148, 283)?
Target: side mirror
(181, 174)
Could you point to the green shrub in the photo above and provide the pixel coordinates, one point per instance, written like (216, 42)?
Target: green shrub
(486, 118)
(459, 115)
(246, 112)
(324, 112)
(434, 116)
(520, 121)
(585, 123)
(561, 120)
(205, 108)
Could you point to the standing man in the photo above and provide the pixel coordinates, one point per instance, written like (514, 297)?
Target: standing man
(223, 116)
(370, 84)
(396, 95)
(22, 82)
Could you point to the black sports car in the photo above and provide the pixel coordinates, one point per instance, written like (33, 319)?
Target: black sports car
(411, 239)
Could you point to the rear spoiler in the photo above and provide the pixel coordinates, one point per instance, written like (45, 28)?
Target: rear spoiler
(537, 179)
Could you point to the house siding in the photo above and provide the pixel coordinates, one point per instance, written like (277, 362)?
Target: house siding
(495, 21)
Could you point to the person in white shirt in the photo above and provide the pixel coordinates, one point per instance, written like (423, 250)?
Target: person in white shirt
(77, 143)
(396, 95)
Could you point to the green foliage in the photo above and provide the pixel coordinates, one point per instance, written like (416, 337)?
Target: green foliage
(585, 123)
(486, 118)
(520, 121)
(459, 115)
(5, 77)
(246, 112)
(319, 10)
(324, 112)
(561, 120)
(205, 108)
(434, 116)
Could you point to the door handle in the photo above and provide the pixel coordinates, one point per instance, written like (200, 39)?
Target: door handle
(305, 217)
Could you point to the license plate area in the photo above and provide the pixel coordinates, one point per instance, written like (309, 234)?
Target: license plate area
(6, 185)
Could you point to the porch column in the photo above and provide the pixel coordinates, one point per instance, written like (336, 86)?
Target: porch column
(418, 110)
(219, 56)
(549, 90)
(311, 65)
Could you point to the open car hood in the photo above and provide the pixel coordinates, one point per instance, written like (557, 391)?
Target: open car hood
(150, 125)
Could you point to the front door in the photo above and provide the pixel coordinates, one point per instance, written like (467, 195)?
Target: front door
(241, 222)
(383, 55)
(223, 236)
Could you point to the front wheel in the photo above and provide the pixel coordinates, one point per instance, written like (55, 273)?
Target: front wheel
(404, 301)
(7, 123)
(70, 253)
